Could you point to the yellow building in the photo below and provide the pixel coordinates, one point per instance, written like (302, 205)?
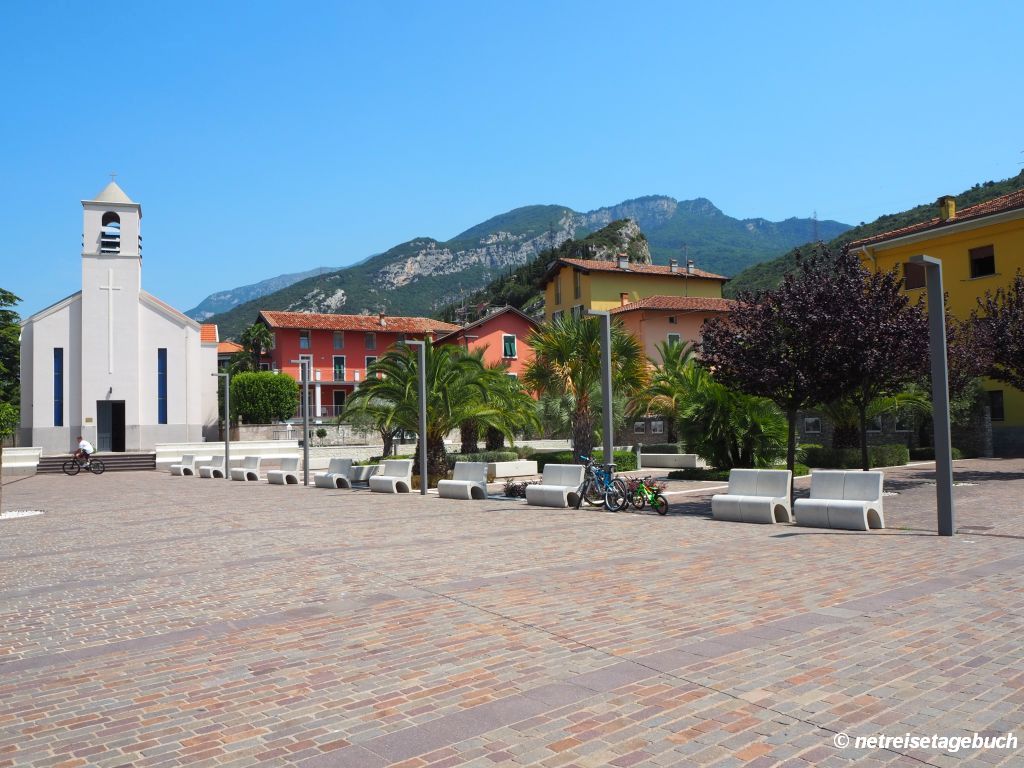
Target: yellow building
(576, 285)
(981, 248)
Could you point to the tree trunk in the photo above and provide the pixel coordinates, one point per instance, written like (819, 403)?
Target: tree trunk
(437, 458)
(468, 432)
(791, 439)
(495, 439)
(845, 436)
(388, 438)
(862, 413)
(583, 433)
(2, 475)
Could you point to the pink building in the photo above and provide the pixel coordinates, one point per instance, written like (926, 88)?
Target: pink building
(502, 335)
(657, 319)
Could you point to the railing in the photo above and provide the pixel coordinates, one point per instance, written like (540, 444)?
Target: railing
(323, 412)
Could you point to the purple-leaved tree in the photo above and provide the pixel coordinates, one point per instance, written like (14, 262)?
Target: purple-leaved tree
(999, 331)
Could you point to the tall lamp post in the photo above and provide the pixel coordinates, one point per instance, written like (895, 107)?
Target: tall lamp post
(227, 421)
(940, 392)
(304, 369)
(421, 353)
(606, 380)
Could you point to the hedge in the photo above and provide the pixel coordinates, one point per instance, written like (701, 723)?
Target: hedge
(660, 448)
(722, 475)
(927, 454)
(625, 461)
(483, 456)
(893, 455)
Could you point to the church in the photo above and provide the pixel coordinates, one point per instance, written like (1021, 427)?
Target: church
(112, 362)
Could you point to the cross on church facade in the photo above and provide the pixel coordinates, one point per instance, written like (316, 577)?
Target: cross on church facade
(110, 288)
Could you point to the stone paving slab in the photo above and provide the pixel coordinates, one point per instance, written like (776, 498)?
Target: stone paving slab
(158, 621)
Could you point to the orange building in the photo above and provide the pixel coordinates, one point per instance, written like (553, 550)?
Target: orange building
(502, 337)
(657, 319)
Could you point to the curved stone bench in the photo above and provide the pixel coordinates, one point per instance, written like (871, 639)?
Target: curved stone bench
(755, 496)
(845, 499)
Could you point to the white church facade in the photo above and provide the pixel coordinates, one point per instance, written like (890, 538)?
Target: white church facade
(112, 362)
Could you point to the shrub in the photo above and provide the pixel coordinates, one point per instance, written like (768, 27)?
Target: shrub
(660, 448)
(261, 397)
(483, 456)
(722, 475)
(849, 458)
(625, 461)
(516, 489)
(801, 451)
(927, 454)
(552, 457)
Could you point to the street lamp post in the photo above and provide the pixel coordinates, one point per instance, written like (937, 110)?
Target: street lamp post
(940, 393)
(227, 421)
(606, 381)
(304, 369)
(422, 358)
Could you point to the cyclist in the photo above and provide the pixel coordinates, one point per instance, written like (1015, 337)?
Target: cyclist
(85, 450)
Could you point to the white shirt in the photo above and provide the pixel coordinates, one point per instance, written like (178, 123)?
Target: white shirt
(86, 446)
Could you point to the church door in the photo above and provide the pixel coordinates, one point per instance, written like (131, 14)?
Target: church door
(110, 425)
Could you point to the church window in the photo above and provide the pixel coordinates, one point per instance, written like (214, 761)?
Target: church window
(161, 386)
(110, 234)
(58, 386)
(303, 339)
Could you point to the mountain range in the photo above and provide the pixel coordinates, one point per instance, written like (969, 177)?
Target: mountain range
(422, 275)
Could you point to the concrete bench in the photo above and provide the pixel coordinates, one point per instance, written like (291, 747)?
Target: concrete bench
(187, 467)
(395, 477)
(559, 486)
(507, 469)
(469, 481)
(846, 499)
(338, 475)
(215, 469)
(755, 496)
(249, 471)
(286, 475)
(363, 472)
(669, 461)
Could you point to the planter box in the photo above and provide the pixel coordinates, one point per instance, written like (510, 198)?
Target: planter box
(506, 469)
(670, 461)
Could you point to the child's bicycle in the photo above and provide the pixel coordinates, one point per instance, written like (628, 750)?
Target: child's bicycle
(643, 492)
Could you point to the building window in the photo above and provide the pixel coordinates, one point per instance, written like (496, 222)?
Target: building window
(512, 374)
(672, 320)
(577, 311)
(402, 338)
(306, 363)
(370, 341)
(557, 315)
(657, 427)
(904, 421)
(264, 366)
(983, 261)
(558, 289)
(812, 425)
(995, 404)
(339, 339)
(913, 275)
(577, 288)
(303, 339)
(875, 424)
(508, 345)
(674, 338)
(339, 368)
(639, 428)
(58, 386)
(369, 361)
(161, 386)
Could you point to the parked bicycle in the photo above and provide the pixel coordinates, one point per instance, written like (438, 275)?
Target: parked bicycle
(642, 492)
(74, 465)
(600, 486)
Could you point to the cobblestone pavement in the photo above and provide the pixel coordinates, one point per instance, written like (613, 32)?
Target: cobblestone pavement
(158, 621)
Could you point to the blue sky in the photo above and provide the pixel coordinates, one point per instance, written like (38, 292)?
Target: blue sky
(264, 138)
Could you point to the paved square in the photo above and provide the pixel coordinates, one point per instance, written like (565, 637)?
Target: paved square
(158, 621)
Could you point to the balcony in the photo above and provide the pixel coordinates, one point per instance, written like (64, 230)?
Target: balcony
(323, 413)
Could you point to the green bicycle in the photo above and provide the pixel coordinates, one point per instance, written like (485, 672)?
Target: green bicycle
(641, 494)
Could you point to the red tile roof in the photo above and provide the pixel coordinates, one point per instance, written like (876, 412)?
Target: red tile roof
(208, 333)
(678, 304)
(392, 323)
(228, 348)
(486, 319)
(593, 265)
(996, 205)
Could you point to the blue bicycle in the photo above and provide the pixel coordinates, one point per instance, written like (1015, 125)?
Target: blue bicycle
(599, 486)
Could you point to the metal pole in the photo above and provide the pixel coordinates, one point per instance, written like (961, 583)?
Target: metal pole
(606, 382)
(940, 393)
(305, 422)
(227, 425)
(421, 354)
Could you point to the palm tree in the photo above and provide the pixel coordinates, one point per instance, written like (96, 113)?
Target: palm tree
(457, 391)
(846, 417)
(257, 341)
(515, 406)
(667, 390)
(567, 363)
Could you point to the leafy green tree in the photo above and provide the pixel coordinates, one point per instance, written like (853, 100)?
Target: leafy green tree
(10, 348)
(8, 423)
(567, 364)
(262, 397)
(457, 391)
(257, 341)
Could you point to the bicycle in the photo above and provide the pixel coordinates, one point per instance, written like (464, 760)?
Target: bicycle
(599, 486)
(74, 465)
(643, 492)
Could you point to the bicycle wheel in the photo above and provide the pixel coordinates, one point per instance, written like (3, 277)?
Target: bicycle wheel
(71, 467)
(592, 494)
(659, 504)
(615, 498)
(638, 500)
(97, 467)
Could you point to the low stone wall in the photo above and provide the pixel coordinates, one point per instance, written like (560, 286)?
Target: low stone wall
(669, 461)
(171, 453)
(21, 461)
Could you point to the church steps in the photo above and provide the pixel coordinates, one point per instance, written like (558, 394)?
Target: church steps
(114, 462)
